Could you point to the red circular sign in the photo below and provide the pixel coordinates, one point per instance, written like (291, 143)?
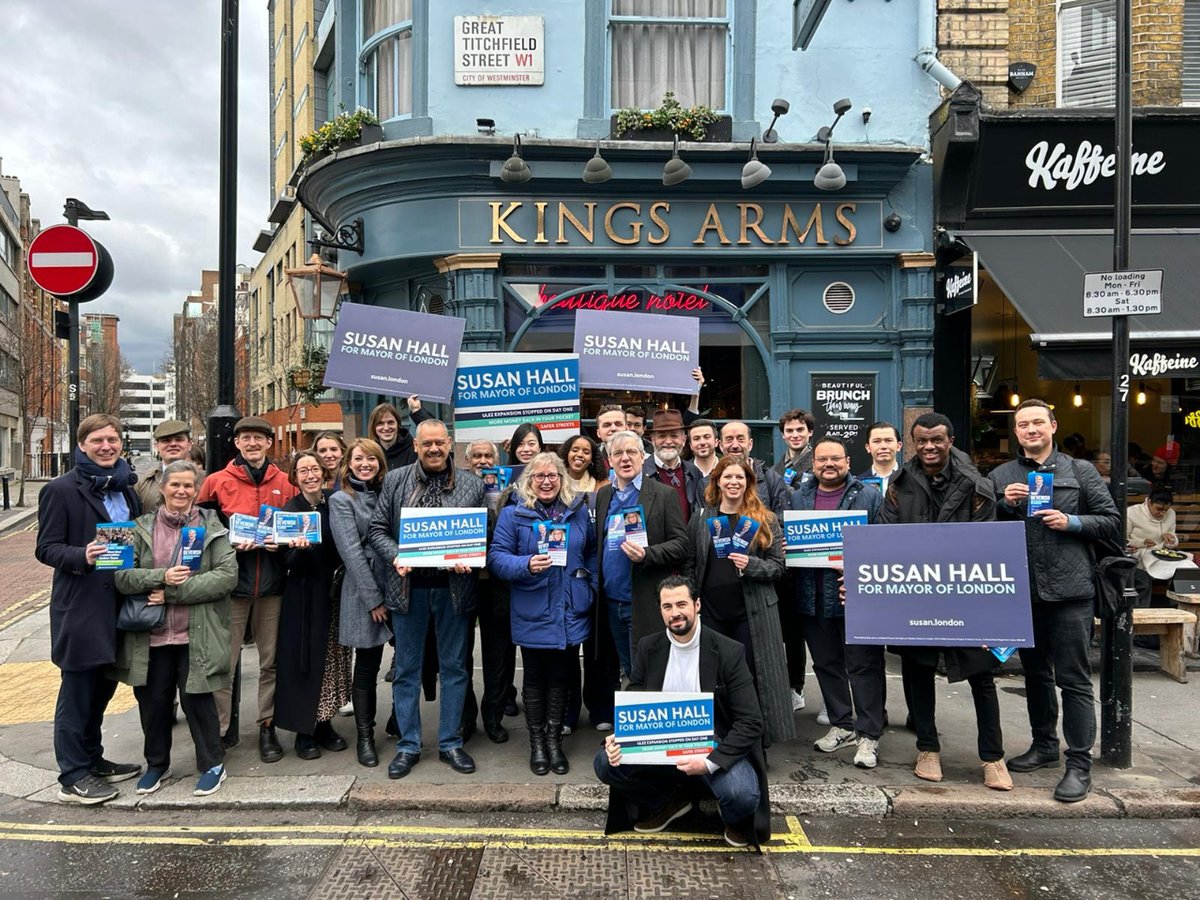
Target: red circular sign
(63, 260)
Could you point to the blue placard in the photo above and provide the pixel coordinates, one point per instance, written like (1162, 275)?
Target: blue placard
(813, 538)
(442, 538)
(635, 525)
(743, 536)
(243, 529)
(663, 728)
(556, 544)
(292, 525)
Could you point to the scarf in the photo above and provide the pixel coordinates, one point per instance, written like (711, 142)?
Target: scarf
(118, 478)
(436, 486)
(256, 475)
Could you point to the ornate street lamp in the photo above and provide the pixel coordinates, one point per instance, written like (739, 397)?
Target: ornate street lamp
(316, 288)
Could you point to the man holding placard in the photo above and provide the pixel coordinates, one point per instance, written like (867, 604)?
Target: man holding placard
(685, 658)
(1076, 509)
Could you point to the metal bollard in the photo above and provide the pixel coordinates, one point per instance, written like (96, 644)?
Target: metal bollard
(4, 481)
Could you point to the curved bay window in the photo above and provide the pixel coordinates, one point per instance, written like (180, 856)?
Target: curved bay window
(386, 57)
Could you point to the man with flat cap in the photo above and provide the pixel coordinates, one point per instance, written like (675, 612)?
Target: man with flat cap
(172, 441)
(248, 483)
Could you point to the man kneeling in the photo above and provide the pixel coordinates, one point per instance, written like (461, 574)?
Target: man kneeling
(687, 658)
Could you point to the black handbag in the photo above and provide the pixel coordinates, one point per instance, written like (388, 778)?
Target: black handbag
(138, 614)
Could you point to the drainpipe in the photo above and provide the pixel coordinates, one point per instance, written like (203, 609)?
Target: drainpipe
(926, 56)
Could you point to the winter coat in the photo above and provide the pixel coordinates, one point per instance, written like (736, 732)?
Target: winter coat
(552, 610)
(206, 594)
(858, 496)
(773, 491)
(149, 489)
(401, 453)
(1062, 564)
(366, 574)
(404, 488)
(83, 601)
(693, 481)
(232, 490)
(762, 614)
(801, 467)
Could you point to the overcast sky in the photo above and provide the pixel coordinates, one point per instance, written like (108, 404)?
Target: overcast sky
(118, 104)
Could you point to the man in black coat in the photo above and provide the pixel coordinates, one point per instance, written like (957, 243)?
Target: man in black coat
(1062, 567)
(84, 604)
(687, 658)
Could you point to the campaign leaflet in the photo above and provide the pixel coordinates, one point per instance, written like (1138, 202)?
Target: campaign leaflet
(243, 529)
(722, 538)
(289, 526)
(191, 547)
(873, 480)
(442, 538)
(266, 523)
(743, 537)
(541, 536)
(118, 541)
(1003, 653)
(662, 728)
(635, 525)
(812, 539)
(614, 531)
(1041, 491)
(560, 534)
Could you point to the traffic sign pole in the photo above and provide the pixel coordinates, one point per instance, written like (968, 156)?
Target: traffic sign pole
(72, 360)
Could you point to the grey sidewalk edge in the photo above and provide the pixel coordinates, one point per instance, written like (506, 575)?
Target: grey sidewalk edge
(20, 517)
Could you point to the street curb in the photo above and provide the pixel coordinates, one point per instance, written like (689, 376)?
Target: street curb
(19, 518)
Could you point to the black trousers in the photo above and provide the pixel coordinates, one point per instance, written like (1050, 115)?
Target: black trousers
(919, 690)
(83, 696)
(367, 661)
(156, 701)
(548, 668)
(851, 676)
(791, 622)
(499, 659)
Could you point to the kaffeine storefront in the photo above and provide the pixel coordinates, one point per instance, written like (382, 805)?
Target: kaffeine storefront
(805, 298)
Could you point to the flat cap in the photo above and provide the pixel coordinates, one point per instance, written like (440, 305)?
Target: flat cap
(254, 423)
(170, 428)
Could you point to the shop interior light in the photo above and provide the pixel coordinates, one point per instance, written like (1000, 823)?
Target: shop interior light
(754, 172)
(515, 170)
(1014, 399)
(1078, 398)
(597, 170)
(1141, 394)
(676, 171)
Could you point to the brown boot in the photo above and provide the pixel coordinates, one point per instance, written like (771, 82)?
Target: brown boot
(929, 765)
(995, 775)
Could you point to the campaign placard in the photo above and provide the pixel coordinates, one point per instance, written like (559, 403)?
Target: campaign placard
(556, 544)
(1041, 491)
(243, 529)
(662, 728)
(634, 518)
(191, 547)
(394, 351)
(637, 351)
(290, 526)
(118, 544)
(443, 538)
(958, 584)
(265, 527)
(722, 537)
(743, 536)
(496, 392)
(812, 539)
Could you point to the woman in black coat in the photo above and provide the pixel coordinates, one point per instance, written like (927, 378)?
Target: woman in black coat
(312, 667)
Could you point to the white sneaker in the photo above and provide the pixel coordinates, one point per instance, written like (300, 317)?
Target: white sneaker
(867, 754)
(347, 710)
(823, 716)
(797, 700)
(835, 740)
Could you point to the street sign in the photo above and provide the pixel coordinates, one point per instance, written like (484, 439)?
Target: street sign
(67, 262)
(1122, 293)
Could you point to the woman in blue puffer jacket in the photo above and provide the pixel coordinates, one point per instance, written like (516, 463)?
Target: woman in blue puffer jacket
(545, 548)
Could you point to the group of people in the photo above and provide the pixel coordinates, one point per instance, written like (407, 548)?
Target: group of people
(667, 611)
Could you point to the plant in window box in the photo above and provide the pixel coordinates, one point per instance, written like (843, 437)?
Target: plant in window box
(308, 375)
(671, 117)
(344, 130)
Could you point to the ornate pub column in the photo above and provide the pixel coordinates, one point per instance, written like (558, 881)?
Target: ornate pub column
(473, 286)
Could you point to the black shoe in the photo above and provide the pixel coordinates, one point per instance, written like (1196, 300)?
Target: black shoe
(328, 738)
(497, 733)
(88, 791)
(269, 750)
(403, 764)
(1032, 760)
(510, 708)
(364, 726)
(230, 739)
(1074, 786)
(306, 747)
(113, 772)
(458, 759)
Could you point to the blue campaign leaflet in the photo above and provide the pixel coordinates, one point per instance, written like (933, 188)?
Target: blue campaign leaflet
(1003, 653)
(722, 537)
(191, 547)
(442, 538)
(743, 537)
(635, 525)
(614, 531)
(266, 523)
(961, 584)
(292, 525)
(1041, 491)
(496, 392)
(812, 539)
(243, 529)
(541, 536)
(662, 728)
(118, 542)
(556, 546)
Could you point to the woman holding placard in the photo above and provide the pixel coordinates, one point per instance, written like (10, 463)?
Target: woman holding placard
(544, 546)
(737, 556)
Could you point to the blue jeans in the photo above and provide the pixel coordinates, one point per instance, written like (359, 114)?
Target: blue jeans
(451, 632)
(649, 787)
(620, 623)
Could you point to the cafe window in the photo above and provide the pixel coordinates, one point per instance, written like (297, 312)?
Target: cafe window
(1087, 47)
(386, 59)
(1191, 53)
(657, 46)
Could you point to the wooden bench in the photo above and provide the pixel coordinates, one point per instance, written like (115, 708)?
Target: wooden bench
(1191, 634)
(1168, 624)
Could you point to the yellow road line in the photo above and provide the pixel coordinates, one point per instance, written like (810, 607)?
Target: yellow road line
(18, 610)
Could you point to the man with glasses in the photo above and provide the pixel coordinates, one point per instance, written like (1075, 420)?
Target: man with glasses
(172, 441)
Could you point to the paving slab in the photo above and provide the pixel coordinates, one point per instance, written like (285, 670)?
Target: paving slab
(977, 802)
(583, 796)
(828, 799)
(474, 797)
(18, 779)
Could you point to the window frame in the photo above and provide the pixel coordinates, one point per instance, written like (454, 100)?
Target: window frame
(1058, 51)
(368, 46)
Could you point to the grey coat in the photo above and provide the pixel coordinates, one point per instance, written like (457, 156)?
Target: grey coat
(403, 487)
(758, 588)
(366, 574)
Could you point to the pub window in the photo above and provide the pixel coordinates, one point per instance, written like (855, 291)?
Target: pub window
(1191, 53)
(1087, 48)
(386, 58)
(657, 46)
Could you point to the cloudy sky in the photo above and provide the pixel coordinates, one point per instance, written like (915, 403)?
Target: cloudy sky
(118, 104)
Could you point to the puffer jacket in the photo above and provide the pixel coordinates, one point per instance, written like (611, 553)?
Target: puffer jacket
(552, 610)
(1062, 563)
(402, 488)
(858, 496)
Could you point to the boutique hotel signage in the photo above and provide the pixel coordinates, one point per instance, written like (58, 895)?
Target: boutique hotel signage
(677, 225)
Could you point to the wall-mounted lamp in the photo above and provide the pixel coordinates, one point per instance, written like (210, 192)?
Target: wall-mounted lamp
(840, 108)
(1077, 399)
(515, 169)
(830, 176)
(676, 171)
(1141, 394)
(486, 126)
(316, 288)
(597, 170)
(349, 237)
(779, 107)
(754, 172)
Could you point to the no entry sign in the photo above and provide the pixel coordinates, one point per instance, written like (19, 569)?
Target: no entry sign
(67, 262)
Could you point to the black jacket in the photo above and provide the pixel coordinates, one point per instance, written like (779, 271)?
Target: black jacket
(401, 453)
(1062, 565)
(858, 496)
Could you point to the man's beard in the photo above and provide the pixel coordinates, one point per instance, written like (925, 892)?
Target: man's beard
(669, 455)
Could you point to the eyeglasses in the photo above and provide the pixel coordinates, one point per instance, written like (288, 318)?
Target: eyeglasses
(309, 470)
(551, 476)
(821, 460)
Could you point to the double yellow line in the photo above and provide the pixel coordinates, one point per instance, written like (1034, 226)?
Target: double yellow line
(23, 608)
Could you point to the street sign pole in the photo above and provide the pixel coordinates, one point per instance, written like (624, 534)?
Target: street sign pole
(71, 214)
